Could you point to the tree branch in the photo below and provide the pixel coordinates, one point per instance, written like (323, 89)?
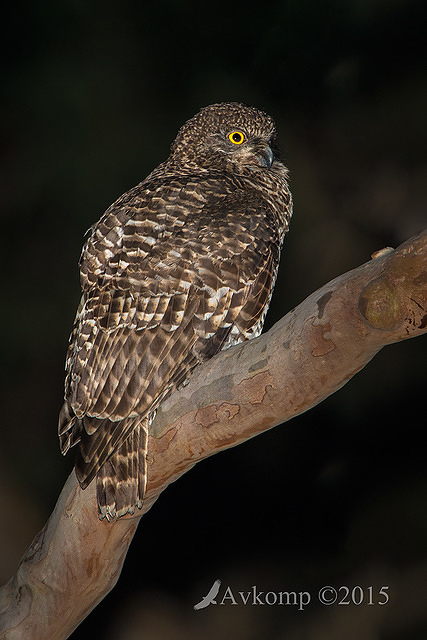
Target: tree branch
(309, 354)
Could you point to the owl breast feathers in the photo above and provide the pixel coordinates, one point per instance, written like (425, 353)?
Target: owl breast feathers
(178, 268)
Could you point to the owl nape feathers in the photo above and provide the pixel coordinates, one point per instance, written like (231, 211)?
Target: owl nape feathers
(178, 268)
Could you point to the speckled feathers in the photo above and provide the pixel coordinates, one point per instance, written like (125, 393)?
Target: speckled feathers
(178, 268)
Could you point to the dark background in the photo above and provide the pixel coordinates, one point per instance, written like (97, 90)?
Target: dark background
(93, 95)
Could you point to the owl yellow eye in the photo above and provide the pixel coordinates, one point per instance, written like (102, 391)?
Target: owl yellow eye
(237, 137)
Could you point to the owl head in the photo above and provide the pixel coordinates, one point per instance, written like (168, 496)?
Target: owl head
(227, 135)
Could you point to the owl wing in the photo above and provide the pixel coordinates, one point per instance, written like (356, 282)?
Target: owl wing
(168, 281)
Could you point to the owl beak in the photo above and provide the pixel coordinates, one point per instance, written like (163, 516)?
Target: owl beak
(258, 152)
(265, 156)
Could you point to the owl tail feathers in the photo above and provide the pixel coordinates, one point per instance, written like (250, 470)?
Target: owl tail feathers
(68, 429)
(122, 478)
(121, 481)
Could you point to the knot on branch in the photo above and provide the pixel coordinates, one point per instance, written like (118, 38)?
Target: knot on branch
(398, 296)
(379, 304)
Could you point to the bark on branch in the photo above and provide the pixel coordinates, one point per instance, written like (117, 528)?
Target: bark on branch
(309, 354)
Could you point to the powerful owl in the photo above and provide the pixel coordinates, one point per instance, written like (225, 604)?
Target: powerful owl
(178, 268)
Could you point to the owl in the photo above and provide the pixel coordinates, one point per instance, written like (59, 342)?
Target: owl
(178, 268)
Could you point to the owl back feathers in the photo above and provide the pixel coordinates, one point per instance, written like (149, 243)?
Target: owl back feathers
(180, 267)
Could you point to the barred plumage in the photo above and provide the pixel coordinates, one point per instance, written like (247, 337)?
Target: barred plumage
(181, 266)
